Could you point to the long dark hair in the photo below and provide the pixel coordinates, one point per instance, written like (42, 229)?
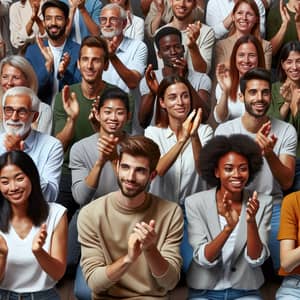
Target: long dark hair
(38, 208)
(284, 54)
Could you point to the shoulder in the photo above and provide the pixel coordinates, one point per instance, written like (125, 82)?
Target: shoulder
(132, 43)
(44, 138)
(279, 125)
(166, 206)
(228, 126)
(200, 199)
(71, 45)
(292, 202)
(56, 212)
(85, 143)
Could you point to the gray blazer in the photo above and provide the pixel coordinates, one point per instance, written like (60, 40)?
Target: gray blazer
(203, 226)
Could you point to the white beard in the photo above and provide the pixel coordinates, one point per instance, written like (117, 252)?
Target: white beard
(111, 34)
(21, 130)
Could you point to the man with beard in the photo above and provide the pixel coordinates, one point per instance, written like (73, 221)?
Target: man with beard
(54, 60)
(129, 238)
(20, 108)
(198, 38)
(277, 140)
(73, 113)
(168, 41)
(127, 57)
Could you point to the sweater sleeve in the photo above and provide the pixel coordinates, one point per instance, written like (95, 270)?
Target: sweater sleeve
(93, 260)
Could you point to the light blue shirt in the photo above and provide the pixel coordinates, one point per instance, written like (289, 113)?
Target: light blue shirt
(47, 153)
(133, 54)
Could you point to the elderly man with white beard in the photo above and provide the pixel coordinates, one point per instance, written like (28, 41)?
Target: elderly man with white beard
(127, 57)
(20, 110)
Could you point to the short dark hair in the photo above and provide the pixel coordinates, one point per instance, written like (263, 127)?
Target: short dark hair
(56, 3)
(97, 42)
(168, 30)
(284, 54)
(114, 93)
(38, 208)
(256, 73)
(219, 146)
(140, 145)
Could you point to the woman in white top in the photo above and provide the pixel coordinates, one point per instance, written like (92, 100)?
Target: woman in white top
(228, 225)
(247, 54)
(135, 25)
(180, 136)
(33, 233)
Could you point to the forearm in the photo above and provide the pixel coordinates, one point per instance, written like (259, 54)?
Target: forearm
(155, 23)
(221, 108)
(131, 78)
(92, 180)
(276, 41)
(157, 264)
(92, 27)
(29, 26)
(169, 158)
(282, 173)
(3, 258)
(284, 110)
(52, 266)
(116, 270)
(290, 259)
(254, 244)
(71, 19)
(40, 25)
(66, 135)
(196, 145)
(214, 248)
(146, 109)
(199, 64)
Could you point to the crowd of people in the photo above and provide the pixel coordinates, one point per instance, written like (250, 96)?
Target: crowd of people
(144, 145)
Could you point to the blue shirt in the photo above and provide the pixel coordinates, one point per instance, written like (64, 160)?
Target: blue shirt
(47, 153)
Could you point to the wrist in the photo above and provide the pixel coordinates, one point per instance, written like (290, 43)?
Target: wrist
(127, 260)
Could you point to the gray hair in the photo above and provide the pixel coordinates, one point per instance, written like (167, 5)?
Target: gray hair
(24, 66)
(22, 90)
(123, 14)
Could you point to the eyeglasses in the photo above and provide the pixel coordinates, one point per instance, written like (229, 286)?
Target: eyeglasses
(22, 112)
(112, 20)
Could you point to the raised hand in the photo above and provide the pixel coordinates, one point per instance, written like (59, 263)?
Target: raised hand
(63, 65)
(70, 103)
(181, 65)
(193, 32)
(285, 17)
(265, 140)
(223, 77)
(252, 208)
(40, 238)
(286, 91)
(3, 246)
(92, 115)
(196, 122)
(46, 51)
(147, 235)
(13, 142)
(230, 214)
(107, 147)
(134, 247)
(190, 126)
(160, 6)
(151, 80)
(295, 102)
(112, 45)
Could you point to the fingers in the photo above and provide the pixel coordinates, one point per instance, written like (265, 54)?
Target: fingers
(265, 128)
(65, 93)
(252, 206)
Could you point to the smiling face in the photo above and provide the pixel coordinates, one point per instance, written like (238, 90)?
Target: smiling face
(112, 117)
(257, 97)
(133, 175)
(246, 58)
(15, 185)
(177, 101)
(233, 172)
(244, 18)
(291, 66)
(11, 77)
(55, 23)
(92, 64)
(111, 23)
(182, 8)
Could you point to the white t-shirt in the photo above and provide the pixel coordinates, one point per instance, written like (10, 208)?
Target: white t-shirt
(23, 274)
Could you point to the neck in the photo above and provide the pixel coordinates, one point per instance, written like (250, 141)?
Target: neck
(176, 126)
(131, 203)
(92, 90)
(182, 24)
(253, 124)
(57, 43)
(121, 134)
(167, 70)
(19, 212)
(235, 197)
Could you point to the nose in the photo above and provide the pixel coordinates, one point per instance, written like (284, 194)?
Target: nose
(179, 100)
(10, 81)
(131, 175)
(14, 115)
(236, 172)
(294, 65)
(90, 64)
(12, 185)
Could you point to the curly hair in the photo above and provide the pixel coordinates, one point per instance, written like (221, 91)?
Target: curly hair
(219, 146)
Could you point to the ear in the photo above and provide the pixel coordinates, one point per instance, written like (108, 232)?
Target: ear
(153, 175)
(162, 103)
(158, 53)
(35, 116)
(217, 173)
(97, 115)
(241, 97)
(78, 64)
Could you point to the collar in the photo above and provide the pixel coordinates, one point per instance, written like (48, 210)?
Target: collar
(29, 141)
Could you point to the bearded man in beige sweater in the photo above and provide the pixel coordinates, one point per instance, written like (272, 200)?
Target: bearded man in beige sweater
(129, 238)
